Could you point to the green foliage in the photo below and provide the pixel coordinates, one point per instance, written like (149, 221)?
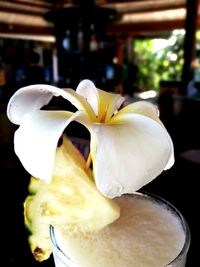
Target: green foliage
(159, 59)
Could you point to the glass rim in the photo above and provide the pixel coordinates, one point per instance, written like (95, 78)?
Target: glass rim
(158, 199)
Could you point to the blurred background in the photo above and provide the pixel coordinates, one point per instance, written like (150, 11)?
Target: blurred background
(143, 49)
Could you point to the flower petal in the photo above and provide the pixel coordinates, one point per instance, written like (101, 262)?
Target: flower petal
(37, 137)
(147, 109)
(88, 90)
(130, 154)
(34, 97)
(141, 107)
(108, 104)
(103, 103)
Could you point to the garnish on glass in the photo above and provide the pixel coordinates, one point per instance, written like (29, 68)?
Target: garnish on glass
(129, 147)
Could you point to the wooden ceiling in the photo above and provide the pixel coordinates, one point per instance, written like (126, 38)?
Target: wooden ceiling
(25, 18)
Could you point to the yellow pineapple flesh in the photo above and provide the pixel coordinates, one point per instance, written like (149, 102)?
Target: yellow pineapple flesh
(70, 202)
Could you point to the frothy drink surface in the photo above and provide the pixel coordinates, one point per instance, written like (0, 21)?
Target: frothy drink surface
(147, 234)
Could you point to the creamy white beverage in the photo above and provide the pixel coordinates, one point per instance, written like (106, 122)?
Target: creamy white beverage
(149, 233)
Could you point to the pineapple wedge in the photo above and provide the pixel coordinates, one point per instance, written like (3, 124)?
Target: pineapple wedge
(70, 202)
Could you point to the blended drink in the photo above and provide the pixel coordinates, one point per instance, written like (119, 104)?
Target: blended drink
(149, 233)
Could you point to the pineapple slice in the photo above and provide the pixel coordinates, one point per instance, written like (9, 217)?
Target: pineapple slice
(70, 202)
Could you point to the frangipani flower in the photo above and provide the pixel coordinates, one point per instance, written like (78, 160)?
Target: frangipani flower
(129, 146)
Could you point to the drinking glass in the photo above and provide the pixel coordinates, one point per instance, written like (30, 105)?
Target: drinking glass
(61, 258)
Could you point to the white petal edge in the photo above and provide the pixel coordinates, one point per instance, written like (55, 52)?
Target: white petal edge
(149, 110)
(129, 155)
(34, 97)
(141, 107)
(88, 90)
(104, 103)
(36, 140)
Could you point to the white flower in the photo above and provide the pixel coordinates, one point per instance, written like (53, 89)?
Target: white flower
(129, 146)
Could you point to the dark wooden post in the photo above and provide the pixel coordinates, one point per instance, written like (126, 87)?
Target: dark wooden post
(189, 43)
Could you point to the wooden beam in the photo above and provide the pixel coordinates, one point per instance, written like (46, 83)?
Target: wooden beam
(145, 28)
(145, 6)
(189, 44)
(35, 3)
(22, 29)
(13, 10)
